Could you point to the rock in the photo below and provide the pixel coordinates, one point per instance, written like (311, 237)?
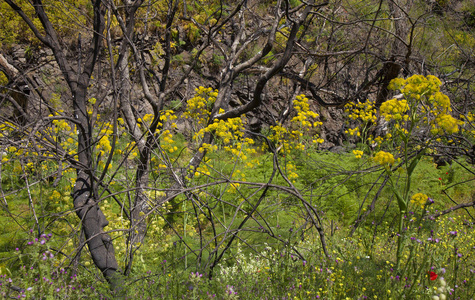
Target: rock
(19, 54)
(337, 149)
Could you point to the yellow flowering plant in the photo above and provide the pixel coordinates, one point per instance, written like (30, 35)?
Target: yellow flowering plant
(300, 132)
(363, 113)
(421, 108)
(358, 153)
(228, 134)
(419, 199)
(385, 159)
(422, 105)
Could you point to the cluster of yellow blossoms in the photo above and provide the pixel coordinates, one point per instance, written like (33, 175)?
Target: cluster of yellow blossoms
(422, 101)
(301, 127)
(395, 109)
(198, 107)
(358, 153)
(167, 142)
(60, 126)
(421, 104)
(61, 132)
(383, 158)
(365, 112)
(419, 199)
(445, 123)
(228, 134)
(305, 117)
(416, 85)
(208, 147)
(165, 115)
(226, 130)
(103, 145)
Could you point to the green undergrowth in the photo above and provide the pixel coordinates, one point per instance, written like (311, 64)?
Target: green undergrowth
(360, 267)
(278, 248)
(438, 260)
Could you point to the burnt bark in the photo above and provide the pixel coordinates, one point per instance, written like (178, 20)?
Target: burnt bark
(400, 49)
(19, 91)
(85, 197)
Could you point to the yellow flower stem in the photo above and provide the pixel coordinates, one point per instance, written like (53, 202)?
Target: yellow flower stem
(414, 283)
(184, 231)
(403, 201)
(414, 247)
(400, 239)
(408, 261)
(408, 177)
(402, 204)
(411, 169)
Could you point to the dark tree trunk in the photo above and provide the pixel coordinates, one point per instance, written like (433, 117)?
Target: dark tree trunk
(84, 195)
(400, 50)
(85, 190)
(19, 92)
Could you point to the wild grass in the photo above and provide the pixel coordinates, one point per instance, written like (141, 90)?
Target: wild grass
(288, 265)
(360, 267)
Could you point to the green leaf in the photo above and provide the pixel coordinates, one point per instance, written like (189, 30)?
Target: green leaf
(414, 162)
(400, 201)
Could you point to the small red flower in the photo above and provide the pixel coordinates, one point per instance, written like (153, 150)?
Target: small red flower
(432, 275)
(440, 178)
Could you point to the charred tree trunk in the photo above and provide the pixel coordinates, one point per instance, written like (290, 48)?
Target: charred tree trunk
(85, 194)
(19, 92)
(400, 49)
(85, 189)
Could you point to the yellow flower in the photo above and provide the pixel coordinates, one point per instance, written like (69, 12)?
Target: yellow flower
(385, 159)
(419, 199)
(358, 153)
(445, 123)
(396, 83)
(394, 109)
